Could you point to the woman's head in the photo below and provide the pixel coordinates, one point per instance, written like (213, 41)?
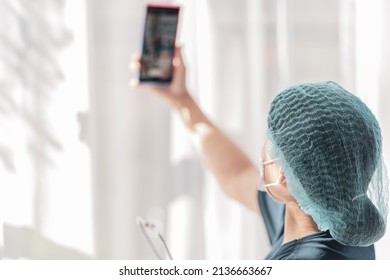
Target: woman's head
(328, 145)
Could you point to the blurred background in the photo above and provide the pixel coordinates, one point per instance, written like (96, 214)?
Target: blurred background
(82, 154)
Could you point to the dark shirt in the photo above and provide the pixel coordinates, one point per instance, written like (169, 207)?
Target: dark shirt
(316, 246)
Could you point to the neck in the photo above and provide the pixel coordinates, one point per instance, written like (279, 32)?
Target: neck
(297, 223)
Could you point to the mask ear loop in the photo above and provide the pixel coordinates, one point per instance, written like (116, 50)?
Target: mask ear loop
(263, 187)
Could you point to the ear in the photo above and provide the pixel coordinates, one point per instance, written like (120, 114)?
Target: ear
(282, 179)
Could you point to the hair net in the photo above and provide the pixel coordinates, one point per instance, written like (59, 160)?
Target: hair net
(329, 146)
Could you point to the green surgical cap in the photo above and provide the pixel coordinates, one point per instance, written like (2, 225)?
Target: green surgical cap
(329, 146)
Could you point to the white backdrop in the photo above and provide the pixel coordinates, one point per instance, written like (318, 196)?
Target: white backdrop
(82, 154)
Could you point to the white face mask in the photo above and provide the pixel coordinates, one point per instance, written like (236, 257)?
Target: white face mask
(261, 185)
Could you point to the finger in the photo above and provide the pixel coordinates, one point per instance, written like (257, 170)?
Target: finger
(176, 62)
(135, 61)
(178, 59)
(135, 65)
(178, 67)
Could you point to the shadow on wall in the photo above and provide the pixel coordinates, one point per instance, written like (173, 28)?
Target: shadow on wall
(29, 48)
(28, 243)
(29, 51)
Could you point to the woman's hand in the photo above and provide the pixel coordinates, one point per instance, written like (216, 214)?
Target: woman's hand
(176, 92)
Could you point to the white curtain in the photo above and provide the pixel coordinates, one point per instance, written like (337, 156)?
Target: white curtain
(82, 154)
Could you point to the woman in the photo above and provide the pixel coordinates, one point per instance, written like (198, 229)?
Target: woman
(322, 191)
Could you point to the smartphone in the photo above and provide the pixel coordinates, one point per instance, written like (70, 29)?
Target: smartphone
(159, 43)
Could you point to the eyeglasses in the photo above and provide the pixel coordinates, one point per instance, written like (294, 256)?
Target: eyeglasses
(154, 238)
(261, 185)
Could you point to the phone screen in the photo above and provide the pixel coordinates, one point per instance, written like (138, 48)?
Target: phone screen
(159, 43)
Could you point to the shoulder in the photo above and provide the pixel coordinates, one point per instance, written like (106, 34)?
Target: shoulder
(322, 246)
